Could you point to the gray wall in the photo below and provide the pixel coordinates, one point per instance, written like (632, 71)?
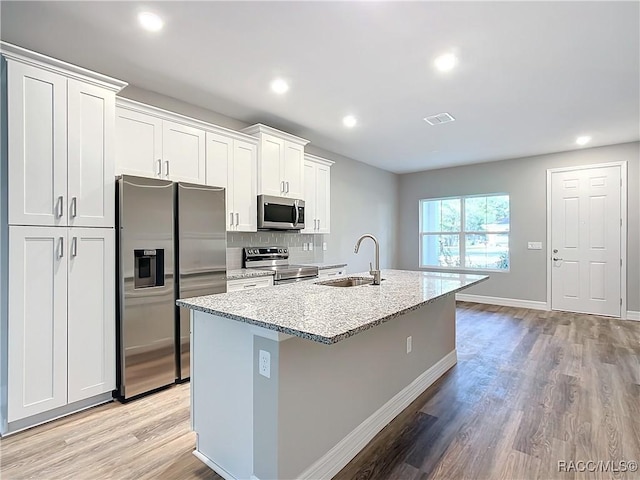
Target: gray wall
(364, 199)
(524, 180)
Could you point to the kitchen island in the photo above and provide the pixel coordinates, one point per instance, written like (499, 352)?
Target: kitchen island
(293, 381)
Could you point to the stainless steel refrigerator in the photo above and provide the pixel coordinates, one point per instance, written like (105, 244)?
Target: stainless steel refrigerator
(171, 244)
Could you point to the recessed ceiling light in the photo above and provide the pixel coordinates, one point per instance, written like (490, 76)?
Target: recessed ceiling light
(446, 62)
(349, 121)
(583, 140)
(150, 21)
(279, 86)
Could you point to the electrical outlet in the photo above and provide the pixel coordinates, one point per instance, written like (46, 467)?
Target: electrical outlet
(310, 246)
(324, 246)
(304, 246)
(409, 344)
(264, 364)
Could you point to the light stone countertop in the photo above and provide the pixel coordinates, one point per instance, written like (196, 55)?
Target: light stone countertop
(327, 314)
(247, 273)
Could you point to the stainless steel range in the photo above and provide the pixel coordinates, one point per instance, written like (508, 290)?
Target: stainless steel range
(276, 259)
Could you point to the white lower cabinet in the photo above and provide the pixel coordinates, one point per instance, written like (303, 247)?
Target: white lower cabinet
(61, 329)
(249, 283)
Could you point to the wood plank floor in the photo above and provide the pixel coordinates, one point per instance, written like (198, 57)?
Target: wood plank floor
(530, 389)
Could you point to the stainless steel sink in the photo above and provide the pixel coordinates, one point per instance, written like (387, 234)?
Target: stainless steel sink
(347, 282)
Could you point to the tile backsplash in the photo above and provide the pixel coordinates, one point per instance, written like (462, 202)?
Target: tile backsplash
(236, 241)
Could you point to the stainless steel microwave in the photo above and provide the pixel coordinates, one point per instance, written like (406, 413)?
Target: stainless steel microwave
(280, 213)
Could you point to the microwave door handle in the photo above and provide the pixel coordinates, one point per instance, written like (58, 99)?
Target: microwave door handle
(297, 217)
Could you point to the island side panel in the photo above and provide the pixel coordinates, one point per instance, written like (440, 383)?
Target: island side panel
(222, 393)
(326, 391)
(265, 410)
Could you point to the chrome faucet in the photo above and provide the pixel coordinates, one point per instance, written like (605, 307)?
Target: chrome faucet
(376, 272)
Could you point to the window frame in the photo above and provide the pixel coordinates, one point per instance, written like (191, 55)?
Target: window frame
(462, 233)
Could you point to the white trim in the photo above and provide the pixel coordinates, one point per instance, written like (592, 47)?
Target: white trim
(54, 65)
(347, 448)
(633, 315)
(320, 160)
(259, 128)
(127, 103)
(623, 229)
(503, 302)
(213, 466)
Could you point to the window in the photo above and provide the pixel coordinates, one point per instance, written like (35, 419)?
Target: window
(470, 232)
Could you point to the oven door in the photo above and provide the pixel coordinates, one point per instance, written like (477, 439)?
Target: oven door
(278, 213)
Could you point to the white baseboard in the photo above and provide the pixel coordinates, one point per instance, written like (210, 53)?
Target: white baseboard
(213, 466)
(633, 315)
(345, 450)
(503, 302)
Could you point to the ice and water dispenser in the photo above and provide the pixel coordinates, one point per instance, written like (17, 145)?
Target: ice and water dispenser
(149, 268)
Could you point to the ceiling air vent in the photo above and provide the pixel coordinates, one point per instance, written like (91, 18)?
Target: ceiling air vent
(439, 118)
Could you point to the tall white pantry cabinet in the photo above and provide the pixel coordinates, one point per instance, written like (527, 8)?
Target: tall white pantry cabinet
(58, 238)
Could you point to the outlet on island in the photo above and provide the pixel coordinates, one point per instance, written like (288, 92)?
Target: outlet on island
(264, 364)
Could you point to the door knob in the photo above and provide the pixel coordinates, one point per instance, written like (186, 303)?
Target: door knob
(556, 259)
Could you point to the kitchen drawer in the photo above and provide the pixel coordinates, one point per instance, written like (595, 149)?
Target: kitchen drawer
(249, 283)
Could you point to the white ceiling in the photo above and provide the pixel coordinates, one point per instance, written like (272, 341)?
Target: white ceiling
(531, 76)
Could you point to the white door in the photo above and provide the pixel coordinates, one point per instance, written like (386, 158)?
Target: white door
(37, 336)
(138, 144)
(183, 153)
(91, 312)
(293, 168)
(270, 181)
(310, 219)
(243, 187)
(323, 198)
(37, 143)
(91, 166)
(585, 240)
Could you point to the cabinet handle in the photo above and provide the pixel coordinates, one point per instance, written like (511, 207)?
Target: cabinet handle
(74, 207)
(282, 186)
(318, 224)
(166, 167)
(250, 285)
(231, 219)
(61, 248)
(237, 219)
(74, 247)
(287, 187)
(159, 167)
(59, 209)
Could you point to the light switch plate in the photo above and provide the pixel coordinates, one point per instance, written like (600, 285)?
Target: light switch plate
(534, 245)
(324, 245)
(304, 246)
(310, 246)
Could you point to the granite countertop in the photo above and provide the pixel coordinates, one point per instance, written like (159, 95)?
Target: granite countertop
(327, 314)
(247, 273)
(326, 266)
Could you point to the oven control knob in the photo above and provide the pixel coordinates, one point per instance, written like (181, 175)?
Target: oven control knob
(285, 250)
(279, 250)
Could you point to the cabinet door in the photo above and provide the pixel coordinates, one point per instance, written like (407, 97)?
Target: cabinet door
(37, 144)
(138, 144)
(37, 333)
(183, 153)
(310, 219)
(91, 312)
(293, 170)
(323, 198)
(243, 187)
(219, 155)
(270, 181)
(91, 173)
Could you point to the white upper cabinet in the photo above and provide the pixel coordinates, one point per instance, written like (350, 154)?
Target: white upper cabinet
(151, 142)
(138, 144)
(232, 163)
(91, 154)
(280, 162)
(60, 145)
(37, 143)
(317, 179)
